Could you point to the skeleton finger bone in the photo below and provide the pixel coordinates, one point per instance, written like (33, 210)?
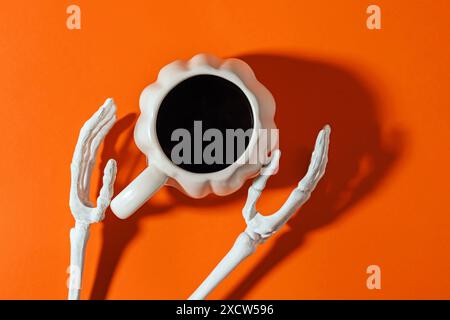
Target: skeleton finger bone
(96, 131)
(255, 190)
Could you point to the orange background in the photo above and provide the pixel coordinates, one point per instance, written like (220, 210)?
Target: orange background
(383, 199)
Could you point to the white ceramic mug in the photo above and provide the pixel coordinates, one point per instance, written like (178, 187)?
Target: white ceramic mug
(161, 170)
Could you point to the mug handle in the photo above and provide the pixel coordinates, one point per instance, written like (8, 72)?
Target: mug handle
(138, 192)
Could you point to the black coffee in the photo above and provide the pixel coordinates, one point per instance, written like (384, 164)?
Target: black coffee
(218, 104)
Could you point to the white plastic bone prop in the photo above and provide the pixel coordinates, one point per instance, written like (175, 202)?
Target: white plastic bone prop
(91, 136)
(259, 227)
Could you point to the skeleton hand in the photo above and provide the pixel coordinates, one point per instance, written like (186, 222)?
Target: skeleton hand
(91, 135)
(264, 226)
(260, 227)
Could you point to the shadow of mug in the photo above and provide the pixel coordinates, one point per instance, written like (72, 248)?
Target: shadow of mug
(116, 233)
(309, 94)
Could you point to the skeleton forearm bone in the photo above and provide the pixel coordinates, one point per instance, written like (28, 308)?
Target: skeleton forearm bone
(91, 135)
(243, 247)
(259, 227)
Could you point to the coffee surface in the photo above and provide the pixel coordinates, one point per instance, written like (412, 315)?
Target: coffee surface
(217, 103)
